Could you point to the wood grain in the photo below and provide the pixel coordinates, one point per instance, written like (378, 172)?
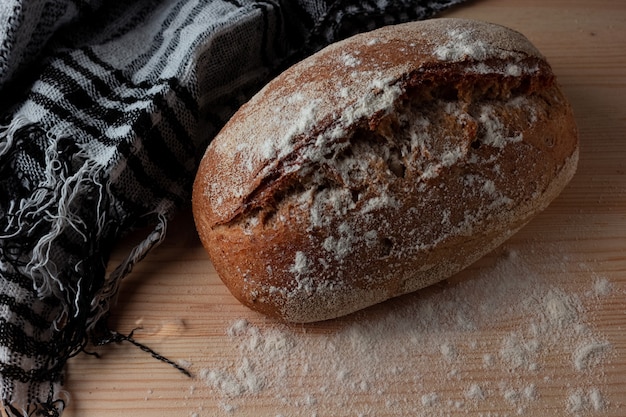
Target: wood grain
(379, 362)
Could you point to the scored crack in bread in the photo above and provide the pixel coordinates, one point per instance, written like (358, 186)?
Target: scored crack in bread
(381, 165)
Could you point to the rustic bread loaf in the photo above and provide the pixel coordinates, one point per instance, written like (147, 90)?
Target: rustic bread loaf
(382, 164)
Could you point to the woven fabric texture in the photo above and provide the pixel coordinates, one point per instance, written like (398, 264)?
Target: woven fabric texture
(106, 108)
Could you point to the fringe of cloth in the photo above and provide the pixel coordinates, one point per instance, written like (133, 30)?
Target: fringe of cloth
(52, 261)
(104, 140)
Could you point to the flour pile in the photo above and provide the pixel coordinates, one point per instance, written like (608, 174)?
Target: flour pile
(489, 345)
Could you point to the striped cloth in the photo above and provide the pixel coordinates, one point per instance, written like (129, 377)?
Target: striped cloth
(106, 108)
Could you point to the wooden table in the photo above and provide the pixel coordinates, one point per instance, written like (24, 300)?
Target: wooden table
(538, 328)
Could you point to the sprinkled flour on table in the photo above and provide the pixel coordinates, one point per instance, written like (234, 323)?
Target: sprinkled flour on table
(487, 346)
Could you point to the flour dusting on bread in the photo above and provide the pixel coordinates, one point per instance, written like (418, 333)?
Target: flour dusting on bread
(383, 164)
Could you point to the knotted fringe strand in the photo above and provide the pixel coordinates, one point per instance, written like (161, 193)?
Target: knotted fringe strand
(107, 295)
(7, 133)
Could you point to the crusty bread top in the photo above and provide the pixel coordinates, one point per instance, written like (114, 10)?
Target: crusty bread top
(288, 125)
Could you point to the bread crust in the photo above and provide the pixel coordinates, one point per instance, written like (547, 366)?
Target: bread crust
(382, 164)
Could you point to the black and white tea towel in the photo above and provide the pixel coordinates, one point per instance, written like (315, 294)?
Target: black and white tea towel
(106, 108)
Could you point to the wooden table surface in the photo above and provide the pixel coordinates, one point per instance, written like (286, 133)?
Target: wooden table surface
(537, 328)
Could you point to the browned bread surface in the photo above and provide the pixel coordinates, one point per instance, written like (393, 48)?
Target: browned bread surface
(382, 164)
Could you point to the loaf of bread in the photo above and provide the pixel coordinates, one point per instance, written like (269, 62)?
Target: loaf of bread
(382, 164)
